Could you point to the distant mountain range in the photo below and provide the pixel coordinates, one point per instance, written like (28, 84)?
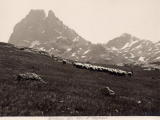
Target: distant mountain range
(48, 33)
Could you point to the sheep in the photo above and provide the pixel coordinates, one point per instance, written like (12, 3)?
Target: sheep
(64, 62)
(130, 74)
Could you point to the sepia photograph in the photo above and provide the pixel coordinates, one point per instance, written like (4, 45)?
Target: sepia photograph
(79, 59)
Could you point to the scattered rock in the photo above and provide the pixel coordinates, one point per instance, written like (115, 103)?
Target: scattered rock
(61, 101)
(139, 102)
(44, 53)
(116, 110)
(29, 76)
(107, 91)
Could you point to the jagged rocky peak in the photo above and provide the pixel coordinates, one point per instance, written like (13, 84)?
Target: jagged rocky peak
(35, 16)
(120, 41)
(39, 30)
(51, 14)
(37, 13)
(29, 28)
(41, 13)
(126, 35)
(52, 20)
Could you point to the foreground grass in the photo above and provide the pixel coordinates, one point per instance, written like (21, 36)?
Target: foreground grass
(72, 91)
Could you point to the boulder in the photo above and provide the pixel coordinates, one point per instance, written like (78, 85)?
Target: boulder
(107, 91)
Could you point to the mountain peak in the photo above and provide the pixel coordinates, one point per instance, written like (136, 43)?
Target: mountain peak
(39, 30)
(40, 13)
(35, 13)
(52, 17)
(51, 13)
(126, 35)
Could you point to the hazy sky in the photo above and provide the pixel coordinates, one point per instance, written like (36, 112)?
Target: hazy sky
(95, 20)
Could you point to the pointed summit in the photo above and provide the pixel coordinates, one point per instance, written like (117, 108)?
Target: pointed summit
(51, 14)
(36, 13)
(126, 35)
(38, 30)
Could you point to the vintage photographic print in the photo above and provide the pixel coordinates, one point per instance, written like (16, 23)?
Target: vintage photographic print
(79, 58)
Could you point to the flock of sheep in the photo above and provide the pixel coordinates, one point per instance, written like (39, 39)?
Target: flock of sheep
(113, 71)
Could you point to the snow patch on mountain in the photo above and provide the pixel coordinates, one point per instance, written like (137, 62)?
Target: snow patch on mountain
(34, 43)
(133, 42)
(76, 39)
(139, 46)
(129, 44)
(125, 46)
(141, 59)
(42, 49)
(51, 49)
(26, 41)
(113, 48)
(83, 56)
(157, 58)
(73, 54)
(86, 52)
(61, 37)
(69, 49)
(132, 55)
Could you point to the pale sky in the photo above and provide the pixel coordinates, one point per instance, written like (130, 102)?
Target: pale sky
(95, 20)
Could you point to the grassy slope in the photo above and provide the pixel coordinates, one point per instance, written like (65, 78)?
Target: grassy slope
(72, 91)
